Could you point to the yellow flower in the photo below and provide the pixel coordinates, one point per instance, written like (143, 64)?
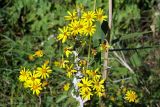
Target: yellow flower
(23, 75)
(67, 51)
(89, 16)
(94, 52)
(81, 26)
(39, 53)
(99, 15)
(61, 63)
(73, 27)
(44, 83)
(66, 87)
(89, 30)
(70, 70)
(36, 88)
(93, 73)
(131, 96)
(112, 98)
(82, 62)
(46, 62)
(31, 57)
(72, 16)
(43, 71)
(98, 84)
(99, 93)
(64, 33)
(85, 85)
(27, 84)
(33, 77)
(104, 47)
(86, 94)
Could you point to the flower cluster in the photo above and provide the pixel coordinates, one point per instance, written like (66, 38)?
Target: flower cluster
(81, 26)
(69, 68)
(90, 85)
(38, 53)
(35, 80)
(81, 23)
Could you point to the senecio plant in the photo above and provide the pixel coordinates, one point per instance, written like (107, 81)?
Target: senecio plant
(80, 60)
(35, 79)
(87, 80)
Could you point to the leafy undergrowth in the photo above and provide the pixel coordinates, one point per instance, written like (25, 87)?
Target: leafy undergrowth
(134, 54)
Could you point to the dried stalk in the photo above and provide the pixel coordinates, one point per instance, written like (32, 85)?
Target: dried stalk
(123, 62)
(105, 64)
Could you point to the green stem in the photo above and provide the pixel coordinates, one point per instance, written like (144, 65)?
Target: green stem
(89, 50)
(94, 8)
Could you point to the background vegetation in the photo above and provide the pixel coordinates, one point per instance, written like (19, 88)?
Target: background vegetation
(29, 25)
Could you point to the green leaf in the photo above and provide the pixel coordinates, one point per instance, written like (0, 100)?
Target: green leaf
(134, 35)
(98, 35)
(120, 71)
(135, 60)
(61, 98)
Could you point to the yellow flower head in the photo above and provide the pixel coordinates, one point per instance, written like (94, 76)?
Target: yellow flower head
(131, 96)
(33, 77)
(89, 16)
(73, 27)
(81, 26)
(43, 71)
(100, 93)
(94, 52)
(70, 70)
(72, 16)
(99, 15)
(31, 57)
(64, 34)
(46, 62)
(82, 62)
(85, 84)
(67, 51)
(104, 47)
(89, 29)
(86, 94)
(27, 84)
(24, 75)
(93, 73)
(44, 83)
(61, 63)
(98, 84)
(39, 53)
(66, 87)
(36, 87)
